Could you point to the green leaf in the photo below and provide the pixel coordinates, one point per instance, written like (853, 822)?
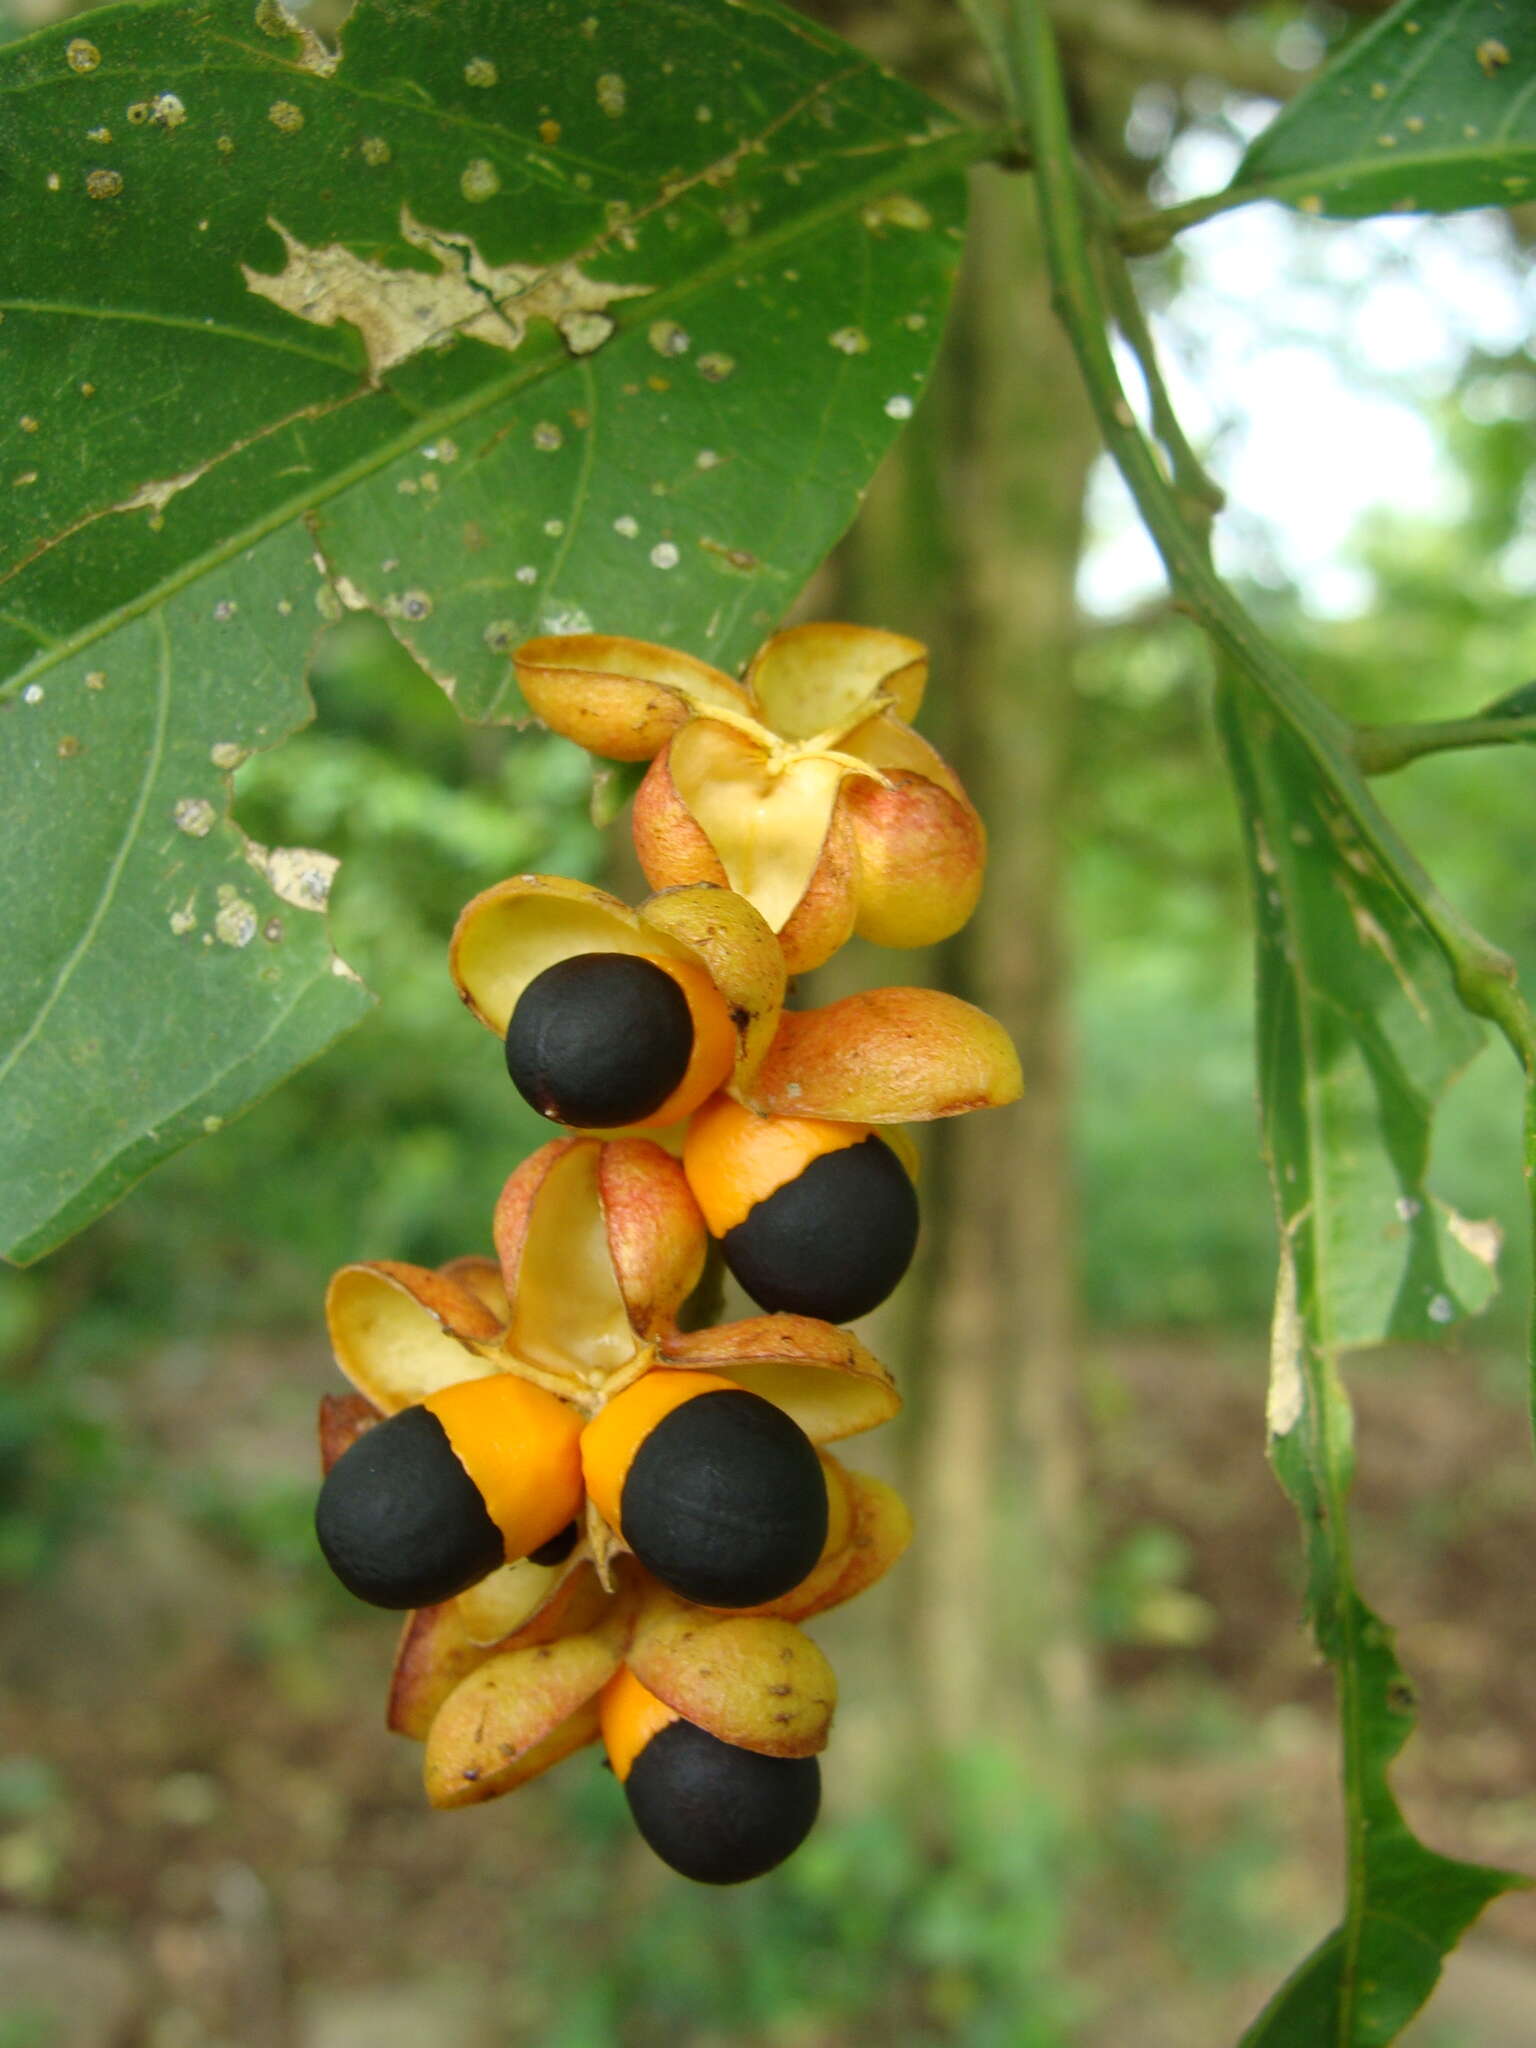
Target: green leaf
(1360, 1033)
(1430, 109)
(607, 320)
(1518, 703)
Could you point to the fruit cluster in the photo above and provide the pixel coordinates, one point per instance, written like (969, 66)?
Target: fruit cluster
(609, 1526)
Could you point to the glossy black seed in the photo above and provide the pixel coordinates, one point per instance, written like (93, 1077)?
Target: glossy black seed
(599, 1040)
(834, 1241)
(558, 1548)
(717, 1813)
(725, 1501)
(399, 1519)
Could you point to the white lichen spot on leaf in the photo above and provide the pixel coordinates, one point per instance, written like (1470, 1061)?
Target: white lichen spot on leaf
(849, 341)
(285, 117)
(664, 555)
(668, 339)
(184, 919)
(896, 210)
(714, 367)
(235, 922)
(193, 815)
(626, 527)
(480, 71)
(612, 94)
(102, 184)
(398, 313)
(81, 55)
(226, 754)
(374, 150)
(899, 407)
(479, 180)
(547, 437)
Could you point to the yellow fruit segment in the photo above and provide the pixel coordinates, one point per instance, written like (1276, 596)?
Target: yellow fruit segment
(613, 1436)
(734, 1158)
(522, 1449)
(629, 1716)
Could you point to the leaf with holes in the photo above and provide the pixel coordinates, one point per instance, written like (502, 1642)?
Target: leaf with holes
(1430, 109)
(1360, 1033)
(494, 332)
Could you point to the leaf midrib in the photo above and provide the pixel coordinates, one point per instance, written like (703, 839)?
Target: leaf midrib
(953, 152)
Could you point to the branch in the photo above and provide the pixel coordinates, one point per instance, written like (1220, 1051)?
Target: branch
(1381, 749)
(1484, 976)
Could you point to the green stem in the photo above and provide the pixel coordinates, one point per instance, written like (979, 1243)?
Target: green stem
(1147, 231)
(1484, 976)
(1379, 749)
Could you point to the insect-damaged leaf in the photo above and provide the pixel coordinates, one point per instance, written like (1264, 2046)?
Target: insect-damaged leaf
(1430, 109)
(497, 332)
(1359, 1035)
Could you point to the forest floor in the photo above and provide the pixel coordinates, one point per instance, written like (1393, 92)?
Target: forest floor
(207, 1840)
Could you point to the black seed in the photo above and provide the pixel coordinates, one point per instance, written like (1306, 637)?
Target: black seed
(599, 1040)
(725, 1501)
(399, 1519)
(558, 1548)
(834, 1241)
(717, 1813)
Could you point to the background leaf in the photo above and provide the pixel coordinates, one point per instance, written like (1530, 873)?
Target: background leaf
(1360, 1032)
(1430, 109)
(491, 332)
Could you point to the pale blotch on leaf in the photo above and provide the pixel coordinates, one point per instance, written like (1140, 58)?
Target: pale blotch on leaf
(235, 922)
(103, 184)
(708, 458)
(212, 1124)
(501, 635)
(411, 604)
(714, 367)
(81, 55)
(285, 117)
(96, 679)
(53, 181)
(664, 555)
(185, 919)
(225, 609)
(398, 313)
(849, 341)
(300, 875)
(584, 332)
(547, 437)
(612, 95)
(526, 573)
(1441, 1309)
(899, 407)
(374, 150)
(479, 180)
(1492, 56)
(273, 19)
(554, 528)
(193, 815)
(226, 754)
(480, 71)
(626, 526)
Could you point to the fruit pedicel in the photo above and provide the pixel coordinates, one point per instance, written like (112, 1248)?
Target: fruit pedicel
(608, 1528)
